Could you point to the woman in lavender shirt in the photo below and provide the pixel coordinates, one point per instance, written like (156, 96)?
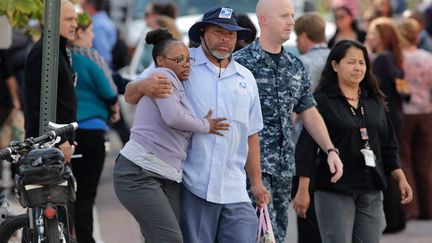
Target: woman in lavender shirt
(148, 171)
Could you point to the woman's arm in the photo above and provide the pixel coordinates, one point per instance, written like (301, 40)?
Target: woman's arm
(301, 200)
(404, 187)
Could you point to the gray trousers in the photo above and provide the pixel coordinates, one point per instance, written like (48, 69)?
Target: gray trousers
(153, 200)
(344, 218)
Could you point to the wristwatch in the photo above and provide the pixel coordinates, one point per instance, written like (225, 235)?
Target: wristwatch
(333, 150)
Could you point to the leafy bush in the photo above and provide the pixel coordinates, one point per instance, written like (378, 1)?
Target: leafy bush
(19, 12)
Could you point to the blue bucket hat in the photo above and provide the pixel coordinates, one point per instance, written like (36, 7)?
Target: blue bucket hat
(221, 16)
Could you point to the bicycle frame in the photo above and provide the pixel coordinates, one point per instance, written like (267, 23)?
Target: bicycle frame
(46, 202)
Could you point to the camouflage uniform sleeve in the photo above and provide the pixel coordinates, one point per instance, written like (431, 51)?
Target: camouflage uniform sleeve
(306, 100)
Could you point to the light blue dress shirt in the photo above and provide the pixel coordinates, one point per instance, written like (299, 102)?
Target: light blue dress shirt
(214, 167)
(105, 33)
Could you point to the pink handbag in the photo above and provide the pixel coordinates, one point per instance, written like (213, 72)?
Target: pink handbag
(265, 230)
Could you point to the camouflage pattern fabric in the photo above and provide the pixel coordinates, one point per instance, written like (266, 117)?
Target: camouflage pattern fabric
(283, 89)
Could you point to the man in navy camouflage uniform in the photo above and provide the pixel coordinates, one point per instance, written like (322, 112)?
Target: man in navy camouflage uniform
(284, 88)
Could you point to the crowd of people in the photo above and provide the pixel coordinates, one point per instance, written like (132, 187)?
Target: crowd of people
(231, 121)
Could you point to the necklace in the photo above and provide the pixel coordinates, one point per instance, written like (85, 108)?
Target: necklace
(354, 98)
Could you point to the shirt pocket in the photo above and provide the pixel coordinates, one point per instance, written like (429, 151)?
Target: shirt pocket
(239, 107)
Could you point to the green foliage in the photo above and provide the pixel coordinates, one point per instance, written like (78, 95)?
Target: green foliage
(83, 20)
(19, 12)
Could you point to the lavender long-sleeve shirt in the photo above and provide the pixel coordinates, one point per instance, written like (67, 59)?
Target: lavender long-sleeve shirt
(163, 126)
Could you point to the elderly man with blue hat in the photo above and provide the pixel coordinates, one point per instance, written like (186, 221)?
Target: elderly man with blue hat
(215, 202)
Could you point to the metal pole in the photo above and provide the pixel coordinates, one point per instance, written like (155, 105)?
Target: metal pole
(50, 57)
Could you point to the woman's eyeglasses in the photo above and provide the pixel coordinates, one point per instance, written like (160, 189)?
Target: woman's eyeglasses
(182, 61)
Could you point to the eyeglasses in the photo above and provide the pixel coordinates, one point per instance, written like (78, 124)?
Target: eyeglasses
(147, 14)
(182, 61)
(341, 16)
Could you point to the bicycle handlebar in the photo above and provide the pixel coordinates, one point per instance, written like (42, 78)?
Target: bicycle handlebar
(27, 143)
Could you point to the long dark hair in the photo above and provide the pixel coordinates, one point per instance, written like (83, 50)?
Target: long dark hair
(390, 38)
(338, 52)
(354, 23)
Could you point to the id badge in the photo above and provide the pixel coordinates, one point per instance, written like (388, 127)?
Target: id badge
(369, 157)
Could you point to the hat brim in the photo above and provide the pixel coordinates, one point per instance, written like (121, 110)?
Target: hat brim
(194, 31)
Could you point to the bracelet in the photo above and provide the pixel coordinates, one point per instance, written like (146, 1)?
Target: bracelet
(333, 150)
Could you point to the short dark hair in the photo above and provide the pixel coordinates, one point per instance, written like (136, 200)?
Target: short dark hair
(338, 52)
(99, 5)
(313, 25)
(167, 9)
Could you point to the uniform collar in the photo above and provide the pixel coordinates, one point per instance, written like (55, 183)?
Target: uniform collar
(261, 54)
(232, 68)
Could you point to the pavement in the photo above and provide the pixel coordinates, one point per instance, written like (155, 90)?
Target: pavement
(113, 224)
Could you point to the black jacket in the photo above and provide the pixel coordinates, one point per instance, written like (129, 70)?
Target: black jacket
(66, 97)
(344, 132)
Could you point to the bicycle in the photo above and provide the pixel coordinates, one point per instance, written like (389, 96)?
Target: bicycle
(44, 185)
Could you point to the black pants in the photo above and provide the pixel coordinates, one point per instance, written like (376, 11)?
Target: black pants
(87, 171)
(307, 229)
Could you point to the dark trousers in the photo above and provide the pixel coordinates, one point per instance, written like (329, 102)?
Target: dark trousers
(307, 229)
(416, 160)
(87, 171)
(153, 200)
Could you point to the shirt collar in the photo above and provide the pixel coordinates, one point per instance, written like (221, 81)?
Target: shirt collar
(319, 46)
(333, 90)
(232, 68)
(261, 54)
(62, 42)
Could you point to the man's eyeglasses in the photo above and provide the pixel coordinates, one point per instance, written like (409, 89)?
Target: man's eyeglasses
(182, 61)
(147, 14)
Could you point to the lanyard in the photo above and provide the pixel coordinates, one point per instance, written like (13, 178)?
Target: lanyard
(361, 124)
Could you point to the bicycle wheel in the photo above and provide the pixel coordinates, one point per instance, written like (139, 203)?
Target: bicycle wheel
(15, 229)
(52, 230)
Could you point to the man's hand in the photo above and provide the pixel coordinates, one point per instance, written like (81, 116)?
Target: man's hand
(262, 196)
(336, 166)
(156, 86)
(66, 149)
(115, 113)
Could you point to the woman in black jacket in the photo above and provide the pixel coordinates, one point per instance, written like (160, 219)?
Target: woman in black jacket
(353, 108)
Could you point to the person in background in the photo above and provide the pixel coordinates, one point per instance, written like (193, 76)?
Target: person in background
(169, 23)
(154, 10)
(215, 171)
(416, 135)
(105, 39)
(66, 96)
(245, 22)
(354, 110)
(385, 41)
(311, 43)
(352, 5)
(284, 87)
(347, 27)
(104, 29)
(147, 174)
(11, 116)
(310, 32)
(425, 40)
(97, 104)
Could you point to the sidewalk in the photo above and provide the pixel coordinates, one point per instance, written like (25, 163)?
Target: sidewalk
(113, 224)
(118, 226)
